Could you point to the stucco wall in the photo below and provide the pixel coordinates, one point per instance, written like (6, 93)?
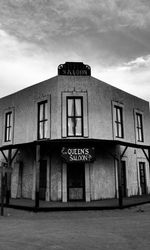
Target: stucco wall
(99, 105)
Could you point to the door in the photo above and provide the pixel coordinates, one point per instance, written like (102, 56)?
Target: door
(142, 177)
(123, 178)
(43, 180)
(76, 182)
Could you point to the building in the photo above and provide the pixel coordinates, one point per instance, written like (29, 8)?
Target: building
(74, 137)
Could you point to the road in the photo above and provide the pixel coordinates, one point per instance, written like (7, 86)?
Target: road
(76, 230)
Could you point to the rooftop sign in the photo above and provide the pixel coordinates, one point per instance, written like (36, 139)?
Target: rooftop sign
(74, 69)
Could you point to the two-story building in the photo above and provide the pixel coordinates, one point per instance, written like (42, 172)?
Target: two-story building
(74, 137)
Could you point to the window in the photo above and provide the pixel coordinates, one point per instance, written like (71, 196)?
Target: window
(8, 126)
(118, 119)
(42, 120)
(142, 177)
(139, 127)
(74, 116)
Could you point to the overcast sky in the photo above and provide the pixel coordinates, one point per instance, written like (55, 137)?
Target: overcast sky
(112, 36)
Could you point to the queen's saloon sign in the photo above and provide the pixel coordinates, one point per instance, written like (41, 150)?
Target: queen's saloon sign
(78, 154)
(74, 69)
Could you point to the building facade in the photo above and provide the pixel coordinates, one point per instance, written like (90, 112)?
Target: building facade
(74, 137)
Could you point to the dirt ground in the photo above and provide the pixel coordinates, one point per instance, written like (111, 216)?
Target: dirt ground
(75, 230)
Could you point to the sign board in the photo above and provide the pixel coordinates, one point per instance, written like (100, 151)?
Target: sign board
(78, 154)
(74, 69)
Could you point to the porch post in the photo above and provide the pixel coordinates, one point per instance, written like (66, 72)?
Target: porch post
(37, 173)
(87, 182)
(149, 163)
(64, 182)
(8, 189)
(118, 153)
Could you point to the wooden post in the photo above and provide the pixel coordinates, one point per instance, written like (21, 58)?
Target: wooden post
(2, 190)
(119, 176)
(8, 189)
(37, 164)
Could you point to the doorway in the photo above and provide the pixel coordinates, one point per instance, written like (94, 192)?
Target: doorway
(43, 180)
(76, 182)
(142, 177)
(123, 179)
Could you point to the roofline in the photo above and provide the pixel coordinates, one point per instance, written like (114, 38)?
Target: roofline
(75, 141)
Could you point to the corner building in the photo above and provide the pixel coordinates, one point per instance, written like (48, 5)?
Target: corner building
(74, 137)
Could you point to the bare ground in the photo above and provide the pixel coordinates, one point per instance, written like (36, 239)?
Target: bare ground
(75, 230)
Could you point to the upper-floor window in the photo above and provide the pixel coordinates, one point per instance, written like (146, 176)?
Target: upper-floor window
(42, 120)
(74, 116)
(139, 127)
(118, 120)
(8, 126)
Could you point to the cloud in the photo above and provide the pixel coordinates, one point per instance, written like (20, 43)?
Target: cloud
(24, 64)
(41, 20)
(111, 36)
(106, 30)
(132, 77)
(140, 62)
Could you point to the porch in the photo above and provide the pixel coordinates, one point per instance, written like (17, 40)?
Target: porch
(28, 204)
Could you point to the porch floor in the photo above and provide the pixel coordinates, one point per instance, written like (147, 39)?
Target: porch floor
(29, 204)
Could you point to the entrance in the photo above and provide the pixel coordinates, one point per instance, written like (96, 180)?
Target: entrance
(142, 177)
(123, 178)
(43, 181)
(76, 182)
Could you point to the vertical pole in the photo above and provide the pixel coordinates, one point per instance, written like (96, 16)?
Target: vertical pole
(149, 161)
(8, 190)
(2, 191)
(87, 182)
(37, 164)
(64, 182)
(119, 176)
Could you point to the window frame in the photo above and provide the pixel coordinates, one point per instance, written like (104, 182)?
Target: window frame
(74, 93)
(5, 113)
(139, 127)
(74, 116)
(116, 123)
(8, 127)
(139, 130)
(43, 121)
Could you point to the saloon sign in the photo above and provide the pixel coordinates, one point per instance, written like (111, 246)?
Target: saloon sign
(74, 69)
(78, 154)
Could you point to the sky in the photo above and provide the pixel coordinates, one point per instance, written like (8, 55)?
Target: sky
(112, 36)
